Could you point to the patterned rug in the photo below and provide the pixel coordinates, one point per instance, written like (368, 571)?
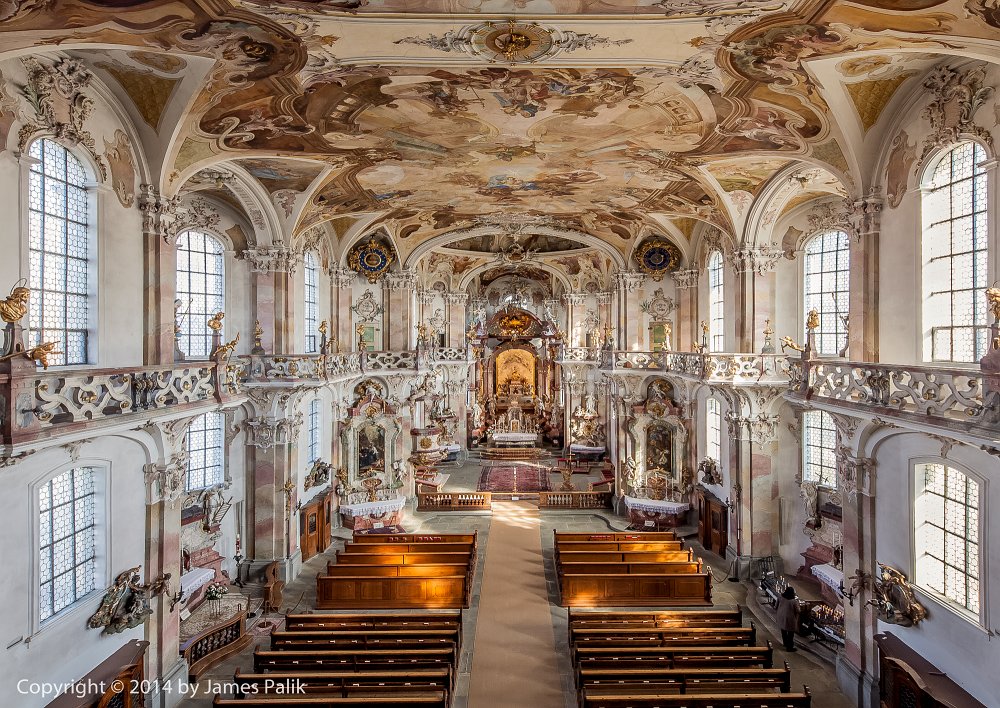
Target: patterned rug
(513, 478)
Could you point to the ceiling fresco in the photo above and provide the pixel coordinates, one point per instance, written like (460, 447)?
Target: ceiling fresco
(686, 122)
(536, 243)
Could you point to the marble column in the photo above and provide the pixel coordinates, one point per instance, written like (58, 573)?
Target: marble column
(627, 284)
(857, 664)
(342, 327)
(686, 324)
(755, 295)
(398, 289)
(159, 214)
(863, 301)
(754, 485)
(455, 315)
(271, 268)
(164, 484)
(573, 301)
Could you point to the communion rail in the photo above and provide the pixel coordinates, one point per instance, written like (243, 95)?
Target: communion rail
(574, 500)
(454, 501)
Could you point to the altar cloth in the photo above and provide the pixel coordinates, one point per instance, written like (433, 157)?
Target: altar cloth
(656, 506)
(829, 575)
(515, 437)
(376, 507)
(196, 578)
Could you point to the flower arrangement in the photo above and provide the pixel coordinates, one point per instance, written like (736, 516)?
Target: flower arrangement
(215, 591)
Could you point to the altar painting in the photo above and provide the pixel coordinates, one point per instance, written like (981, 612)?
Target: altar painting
(659, 444)
(371, 450)
(515, 373)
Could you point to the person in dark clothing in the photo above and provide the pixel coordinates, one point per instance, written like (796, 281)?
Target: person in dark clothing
(788, 617)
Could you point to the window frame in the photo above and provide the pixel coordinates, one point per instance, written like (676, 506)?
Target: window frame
(188, 319)
(310, 267)
(713, 410)
(980, 618)
(715, 265)
(89, 229)
(222, 453)
(826, 315)
(314, 430)
(929, 322)
(805, 446)
(102, 543)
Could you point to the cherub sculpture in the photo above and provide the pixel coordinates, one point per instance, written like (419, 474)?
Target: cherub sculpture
(226, 350)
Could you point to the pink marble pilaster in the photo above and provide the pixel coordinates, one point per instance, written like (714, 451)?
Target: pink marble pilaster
(163, 555)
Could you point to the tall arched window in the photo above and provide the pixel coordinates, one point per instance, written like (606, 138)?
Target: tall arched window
(58, 252)
(716, 333)
(827, 288)
(204, 445)
(713, 429)
(946, 534)
(201, 289)
(67, 541)
(313, 438)
(819, 448)
(955, 256)
(311, 301)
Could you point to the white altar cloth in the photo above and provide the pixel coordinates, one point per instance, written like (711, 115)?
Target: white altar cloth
(196, 578)
(587, 449)
(515, 437)
(656, 506)
(829, 575)
(375, 507)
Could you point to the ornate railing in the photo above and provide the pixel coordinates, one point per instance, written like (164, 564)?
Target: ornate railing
(300, 367)
(574, 500)
(453, 501)
(579, 354)
(389, 361)
(211, 646)
(42, 402)
(733, 368)
(450, 354)
(637, 361)
(939, 392)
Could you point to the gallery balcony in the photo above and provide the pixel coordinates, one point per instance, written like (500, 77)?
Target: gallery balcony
(712, 368)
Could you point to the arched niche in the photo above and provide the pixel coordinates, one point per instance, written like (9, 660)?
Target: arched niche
(368, 443)
(656, 438)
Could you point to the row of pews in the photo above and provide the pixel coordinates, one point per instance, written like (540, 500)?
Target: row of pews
(420, 571)
(675, 659)
(629, 570)
(354, 660)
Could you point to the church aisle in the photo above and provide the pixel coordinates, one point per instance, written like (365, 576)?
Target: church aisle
(515, 662)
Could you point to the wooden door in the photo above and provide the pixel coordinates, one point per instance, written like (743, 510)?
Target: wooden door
(309, 538)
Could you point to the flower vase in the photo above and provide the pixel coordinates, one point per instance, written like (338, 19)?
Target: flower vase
(216, 606)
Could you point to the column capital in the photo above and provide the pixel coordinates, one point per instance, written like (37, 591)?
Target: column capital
(166, 482)
(574, 298)
(159, 213)
(271, 259)
(684, 279)
(856, 474)
(760, 260)
(456, 298)
(403, 280)
(266, 432)
(342, 277)
(866, 214)
(629, 280)
(604, 298)
(425, 297)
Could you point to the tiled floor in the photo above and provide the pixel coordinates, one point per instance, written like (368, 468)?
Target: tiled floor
(807, 668)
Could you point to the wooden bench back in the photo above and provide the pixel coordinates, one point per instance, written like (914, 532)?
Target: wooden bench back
(620, 547)
(692, 618)
(684, 589)
(341, 620)
(637, 657)
(735, 700)
(416, 538)
(423, 570)
(629, 568)
(404, 558)
(397, 548)
(431, 700)
(616, 536)
(365, 641)
(324, 680)
(627, 557)
(689, 680)
(354, 592)
(356, 659)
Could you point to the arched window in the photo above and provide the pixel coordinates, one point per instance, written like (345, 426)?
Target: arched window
(716, 333)
(58, 252)
(204, 445)
(313, 438)
(819, 448)
(713, 429)
(827, 288)
(955, 256)
(946, 534)
(311, 301)
(201, 289)
(67, 541)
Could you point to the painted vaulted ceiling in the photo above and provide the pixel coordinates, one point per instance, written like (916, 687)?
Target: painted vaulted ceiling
(616, 118)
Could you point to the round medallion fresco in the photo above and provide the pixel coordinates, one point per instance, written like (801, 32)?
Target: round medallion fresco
(371, 260)
(657, 258)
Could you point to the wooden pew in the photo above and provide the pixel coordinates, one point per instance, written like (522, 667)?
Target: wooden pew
(664, 636)
(616, 536)
(678, 658)
(472, 538)
(684, 589)
(350, 659)
(397, 548)
(333, 682)
(363, 641)
(626, 557)
(424, 570)
(658, 618)
(686, 681)
(734, 700)
(364, 622)
(615, 568)
(406, 559)
(430, 700)
(617, 546)
(360, 592)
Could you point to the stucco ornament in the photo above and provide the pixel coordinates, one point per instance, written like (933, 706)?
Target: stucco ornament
(956, 98)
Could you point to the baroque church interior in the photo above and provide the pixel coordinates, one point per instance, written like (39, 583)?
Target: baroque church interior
(488, 353)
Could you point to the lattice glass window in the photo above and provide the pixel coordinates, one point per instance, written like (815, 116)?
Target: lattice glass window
(58, 252)
(716, 321)
(313, 430)
(311, 302)
(713, 429)
(205, 449)
(201, 288)
(67, 541)
(955, 256)
(947, 534)
(827, 288)
(819, 448)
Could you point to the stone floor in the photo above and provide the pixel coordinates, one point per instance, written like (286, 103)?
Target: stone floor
(808, 667)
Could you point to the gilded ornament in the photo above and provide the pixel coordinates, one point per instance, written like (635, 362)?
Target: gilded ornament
(15, 306)
(215, 324)
(992, 299)
(226, 350)
(658, 257)
(789, 343)
(323, 327)
(371, 260)
(812, 320)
